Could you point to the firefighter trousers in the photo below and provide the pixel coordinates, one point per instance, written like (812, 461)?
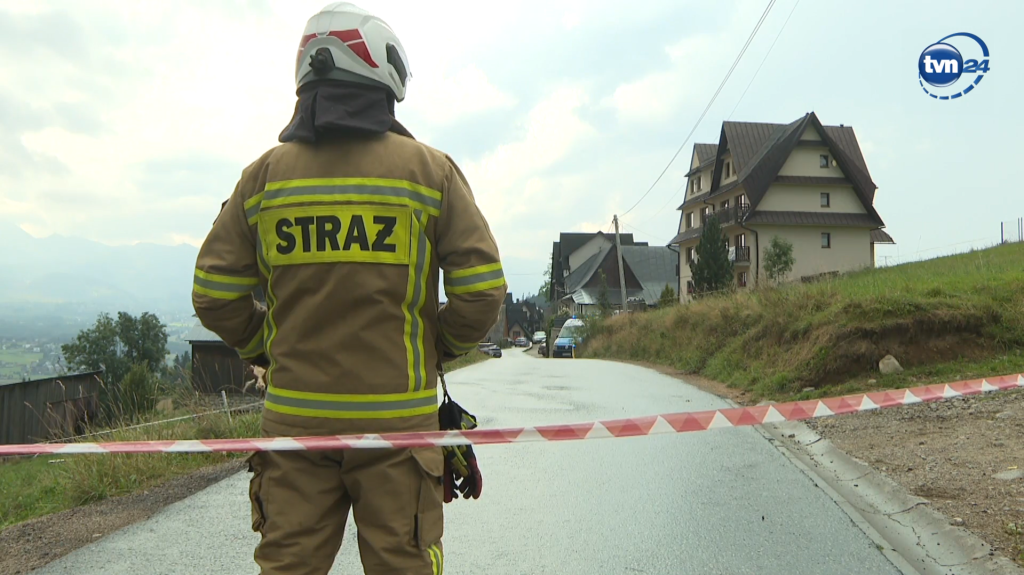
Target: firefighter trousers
(301, 500)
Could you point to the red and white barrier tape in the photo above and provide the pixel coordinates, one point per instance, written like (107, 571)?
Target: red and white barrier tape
(649, 425)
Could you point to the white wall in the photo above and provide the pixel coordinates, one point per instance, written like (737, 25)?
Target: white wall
(787, 198)
(578, 257)
(851, 248)
(805, 162)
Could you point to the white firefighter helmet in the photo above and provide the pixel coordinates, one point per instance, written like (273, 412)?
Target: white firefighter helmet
(345, 42)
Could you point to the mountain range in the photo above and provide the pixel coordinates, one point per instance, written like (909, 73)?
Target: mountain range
(60, 275)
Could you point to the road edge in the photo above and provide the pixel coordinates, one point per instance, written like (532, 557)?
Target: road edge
(916, 538)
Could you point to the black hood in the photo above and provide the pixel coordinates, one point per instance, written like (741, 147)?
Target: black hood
(334, 107)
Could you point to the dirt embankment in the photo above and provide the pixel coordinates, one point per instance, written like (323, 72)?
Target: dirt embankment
(965, 455)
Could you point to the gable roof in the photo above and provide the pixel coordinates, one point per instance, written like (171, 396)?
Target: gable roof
(569, 242)
(655, 267)
(759, 151)
(581, 275)
(706, 154)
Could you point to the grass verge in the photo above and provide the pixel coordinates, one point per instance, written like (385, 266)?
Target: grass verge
(33, 487)
(950, 318)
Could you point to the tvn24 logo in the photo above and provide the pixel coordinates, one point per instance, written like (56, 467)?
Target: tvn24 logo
(943, 71)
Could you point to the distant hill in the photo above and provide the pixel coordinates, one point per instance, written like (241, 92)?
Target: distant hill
(59, 275)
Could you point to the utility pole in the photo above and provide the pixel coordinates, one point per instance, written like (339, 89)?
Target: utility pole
(622, 271)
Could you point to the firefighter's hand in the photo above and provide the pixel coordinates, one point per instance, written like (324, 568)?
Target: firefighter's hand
(461, 473)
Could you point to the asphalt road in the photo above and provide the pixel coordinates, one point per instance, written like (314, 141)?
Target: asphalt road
(719, 502)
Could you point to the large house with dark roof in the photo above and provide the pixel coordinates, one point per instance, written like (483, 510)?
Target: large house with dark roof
(802, 181)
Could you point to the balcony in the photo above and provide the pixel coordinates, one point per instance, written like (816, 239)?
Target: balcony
(739, 254)
(729, 215)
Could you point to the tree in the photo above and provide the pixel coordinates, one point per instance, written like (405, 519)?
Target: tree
(127, 345)
(711, 268)
(116, 345)
(545, 288)
(778, 259)
(668, 297)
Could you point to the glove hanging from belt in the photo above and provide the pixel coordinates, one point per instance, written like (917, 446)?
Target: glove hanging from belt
(461, 473)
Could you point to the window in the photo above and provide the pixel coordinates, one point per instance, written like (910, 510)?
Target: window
(826, 240)
(823, 160)
(741, 279)
(694, 185)
(689, 220)
(725, 205)
(741, 240)
(689, 255)
(825, 200)
(741, 200)
(689, 286)
(728, 168)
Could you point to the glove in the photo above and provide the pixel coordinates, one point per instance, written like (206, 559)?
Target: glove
(461, 472)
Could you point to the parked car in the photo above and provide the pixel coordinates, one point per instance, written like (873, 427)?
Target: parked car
(568, 338)
(539, 337)
(490, 349)
(542, 349)
(522, 342)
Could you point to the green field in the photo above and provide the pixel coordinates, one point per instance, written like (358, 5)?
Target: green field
(20, 359)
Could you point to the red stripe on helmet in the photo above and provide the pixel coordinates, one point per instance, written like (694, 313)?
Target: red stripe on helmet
(354, 40)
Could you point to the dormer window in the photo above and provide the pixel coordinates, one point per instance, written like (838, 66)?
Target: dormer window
(823, 161)
(728, 169)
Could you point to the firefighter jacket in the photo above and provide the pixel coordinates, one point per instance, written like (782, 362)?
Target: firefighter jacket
(347, 239)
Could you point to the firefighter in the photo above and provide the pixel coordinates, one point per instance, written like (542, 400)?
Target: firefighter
(347, 227)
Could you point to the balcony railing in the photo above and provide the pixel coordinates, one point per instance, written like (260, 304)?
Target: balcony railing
(740, 254)
(728, 215)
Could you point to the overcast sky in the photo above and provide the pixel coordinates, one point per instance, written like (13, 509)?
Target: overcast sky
(131, 121)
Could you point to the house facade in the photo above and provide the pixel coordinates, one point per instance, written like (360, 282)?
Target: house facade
(802, 181)
(585, 268)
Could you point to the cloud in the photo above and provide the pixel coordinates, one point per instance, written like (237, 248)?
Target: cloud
(443, 99)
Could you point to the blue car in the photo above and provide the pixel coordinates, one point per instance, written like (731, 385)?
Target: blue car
(564, 347)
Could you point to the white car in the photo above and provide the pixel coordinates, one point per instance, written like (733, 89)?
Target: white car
(539, 337)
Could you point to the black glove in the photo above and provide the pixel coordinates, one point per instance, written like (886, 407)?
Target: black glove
(461, 472)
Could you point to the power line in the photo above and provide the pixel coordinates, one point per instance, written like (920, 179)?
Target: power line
(708, 107)
(777, 36)
(648, 234)
(683, 185)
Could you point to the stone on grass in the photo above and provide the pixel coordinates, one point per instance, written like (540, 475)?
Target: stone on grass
(889, 365)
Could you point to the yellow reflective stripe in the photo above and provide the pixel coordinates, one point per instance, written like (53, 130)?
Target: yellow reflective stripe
(272, 331)
(353, 397)
(456, 345)
(221, 286)
(382, 182)
(379, 190)
(334, 414)
(412, 307)
(216, 293)
(475, 270)
(235, 280)
(485, 285)
(436, 560)
(422, 265)
(252, 208)
(255, 346)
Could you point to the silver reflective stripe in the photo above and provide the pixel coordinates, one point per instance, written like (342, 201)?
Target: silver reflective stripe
(475, 278)
(384, 191)
(252, 211)
(240, 289)
(418, 296)
(361, 406)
